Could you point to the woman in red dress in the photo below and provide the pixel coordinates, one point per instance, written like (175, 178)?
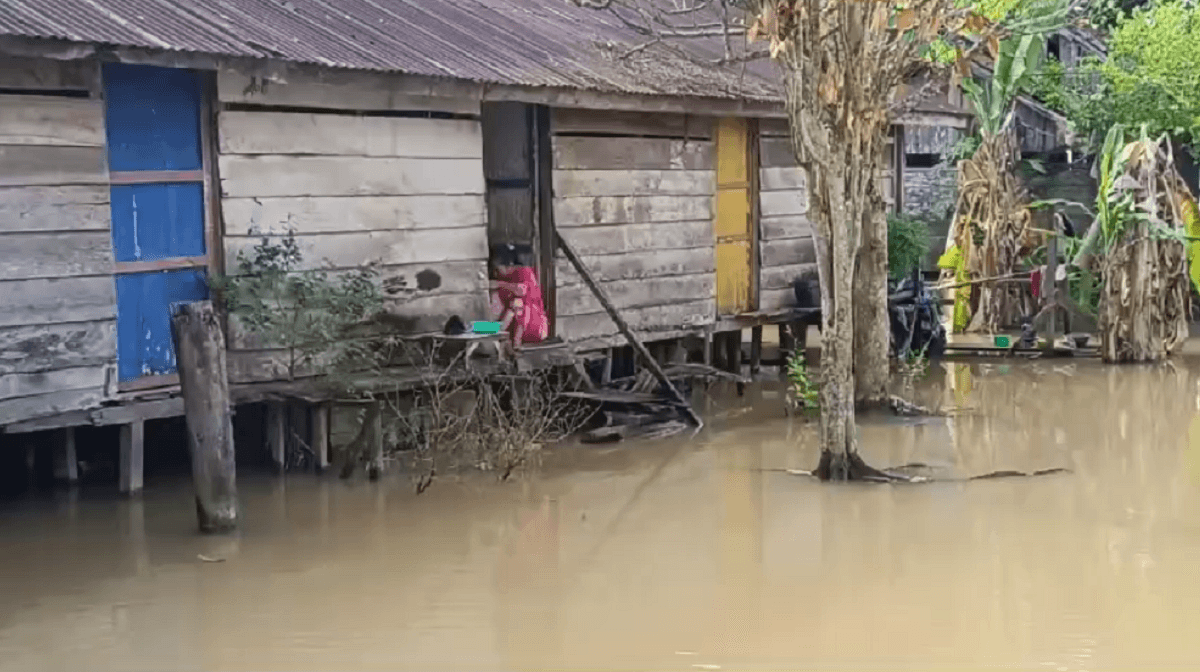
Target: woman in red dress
(517, 297)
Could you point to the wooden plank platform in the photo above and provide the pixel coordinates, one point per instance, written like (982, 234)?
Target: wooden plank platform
(167, 402)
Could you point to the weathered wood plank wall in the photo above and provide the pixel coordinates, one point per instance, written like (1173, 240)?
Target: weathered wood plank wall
(785, 232)
(57, 299)
(359, 181)
(634, 196)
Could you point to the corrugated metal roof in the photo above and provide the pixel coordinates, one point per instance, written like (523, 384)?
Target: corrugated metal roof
(543, 43)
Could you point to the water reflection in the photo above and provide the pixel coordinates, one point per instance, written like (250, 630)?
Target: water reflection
(680, 554)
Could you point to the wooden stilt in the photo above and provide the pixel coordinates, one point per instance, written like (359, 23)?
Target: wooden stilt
(320, 435)
(733, 352)
(374, 441)
(787, 345)
(676, 353)
(623, 326)
(133, 446)
(708, 347)
(756, 339)
(200, 350)
(277, 433)
(733, 356)
(800, 333)
(66, 462)
(606, 373)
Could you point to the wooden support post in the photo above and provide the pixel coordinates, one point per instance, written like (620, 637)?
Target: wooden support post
(708, 347)
(676, 353)
(733, 352)
(66, 461)
(320, 435)
(1050, 286)
(374, 440)
(733, 357)
(132, 457)
(623, 326)
(787, 346)
(606, 372)
(277, 433)
(756, 338)
(200, 353)
(800, 333)
(581, 372)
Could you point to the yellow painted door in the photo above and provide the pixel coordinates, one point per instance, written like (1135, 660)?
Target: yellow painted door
(734, 218)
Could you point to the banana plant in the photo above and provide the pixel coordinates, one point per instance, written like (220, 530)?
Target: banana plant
(1019, 57)
(1016, 58)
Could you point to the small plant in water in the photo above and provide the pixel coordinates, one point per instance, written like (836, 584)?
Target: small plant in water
(912, 367)
(803, 393)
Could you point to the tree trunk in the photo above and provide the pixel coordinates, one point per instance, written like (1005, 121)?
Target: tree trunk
(871, 332)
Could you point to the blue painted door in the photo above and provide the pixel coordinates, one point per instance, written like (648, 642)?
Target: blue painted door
(156, 168)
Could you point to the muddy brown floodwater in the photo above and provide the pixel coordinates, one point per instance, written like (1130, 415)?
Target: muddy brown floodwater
(685, 554)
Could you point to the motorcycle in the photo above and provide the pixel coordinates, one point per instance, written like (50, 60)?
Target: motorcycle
(916, 324)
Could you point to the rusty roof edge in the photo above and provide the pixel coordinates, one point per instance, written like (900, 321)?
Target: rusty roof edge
(453, 87)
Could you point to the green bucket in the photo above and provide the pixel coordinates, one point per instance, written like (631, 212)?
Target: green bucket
(485, 327)
(1002, 341)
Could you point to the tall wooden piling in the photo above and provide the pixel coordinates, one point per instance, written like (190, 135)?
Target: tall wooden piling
(200, 353)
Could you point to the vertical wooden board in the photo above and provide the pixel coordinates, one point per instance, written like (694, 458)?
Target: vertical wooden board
(506, 140)
(144, 345)
(152, 117)
(732, 152)
(733, 213)
(132, 456)
(733, 277)
(158, 221)
(51, 120)
(510, 216)
(81, 208)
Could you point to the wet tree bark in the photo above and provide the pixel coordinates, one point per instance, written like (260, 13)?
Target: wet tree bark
(850, 233)
(871, 333)
(200, 352)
